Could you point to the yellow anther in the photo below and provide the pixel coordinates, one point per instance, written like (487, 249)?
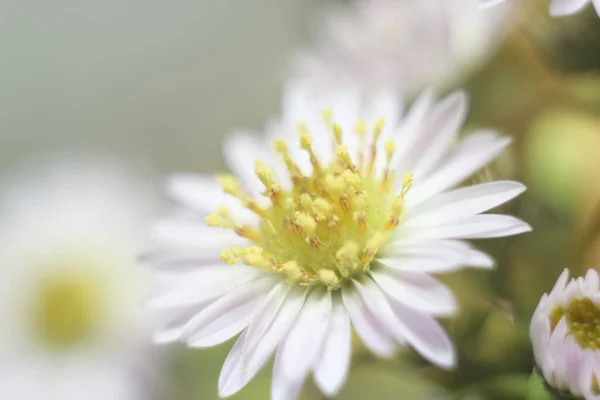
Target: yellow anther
(347, 256)
(264, 174)
(343, 156)
(322, 208)
(337, 134)
(335, 184)
(256, 257)
(306, 202)
(266, 177)
(252, 205)
(327, 115)
(360, 215)
(372, 247)
(306, 144)
(396, 210)
(360, 127)
(351, 179)
(407, 182)
(305, 140)
(229, 257)
(329, 278)
(220, 219)
(293, 270)
(280, 146)
(248, 232)
(230, 185)
(307, 223)
(359, 202)
(378, 129)
(390, 149)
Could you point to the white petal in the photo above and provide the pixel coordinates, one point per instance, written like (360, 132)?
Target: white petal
(231, 379)
(371, 331)
(332, 368)
(172, 330)
(417, 290)
(282, 387)
(422, 264)
(420, 330)
(596, 6)
(441, 129)
(479, 259)
(201, 286)
(592, 281)
(182, 234)
(463, 202)
(477, 227)
(425, 255)
(472, 154)
(301, 347)
(407, 135)
(203, 194)
(561, 283)
(566, 7)
(179, 260)
(195, 191)
(266, 313)
(227, 316)
(254, 358)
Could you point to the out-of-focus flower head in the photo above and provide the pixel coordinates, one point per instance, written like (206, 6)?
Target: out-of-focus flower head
(339, 225)
(558, 8)
(565, 333)
(70, 284)
(406, 45)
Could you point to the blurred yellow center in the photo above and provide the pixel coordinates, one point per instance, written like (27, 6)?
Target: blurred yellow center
(583, 321)
(66, 309)
(330, 225)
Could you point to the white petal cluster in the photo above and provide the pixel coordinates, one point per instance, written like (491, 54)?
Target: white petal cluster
(565, 333)
(391, 303)
(403, 45)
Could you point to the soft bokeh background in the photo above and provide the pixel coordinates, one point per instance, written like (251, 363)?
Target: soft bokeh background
(161, 82)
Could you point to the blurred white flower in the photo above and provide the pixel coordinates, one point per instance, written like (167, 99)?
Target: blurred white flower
(70, 284)
(568, 7)
(342, 229)
(407, 45)
(565, 333)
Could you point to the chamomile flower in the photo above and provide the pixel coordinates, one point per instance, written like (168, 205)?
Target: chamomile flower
(407, 45)
(565, 333)
(70, 285)
(333, 222)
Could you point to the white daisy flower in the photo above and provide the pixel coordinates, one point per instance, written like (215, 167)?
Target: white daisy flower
(567, 7)
(406, 45)
(337, 228)
(565, 333)
(70, 285)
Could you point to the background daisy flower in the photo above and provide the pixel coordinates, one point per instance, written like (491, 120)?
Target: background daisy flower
(565, 332)
(338, 226)
(70, 288)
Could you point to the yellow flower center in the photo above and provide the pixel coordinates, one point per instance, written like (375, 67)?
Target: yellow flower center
(66, 309)
(330, 225)
(583, 321)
